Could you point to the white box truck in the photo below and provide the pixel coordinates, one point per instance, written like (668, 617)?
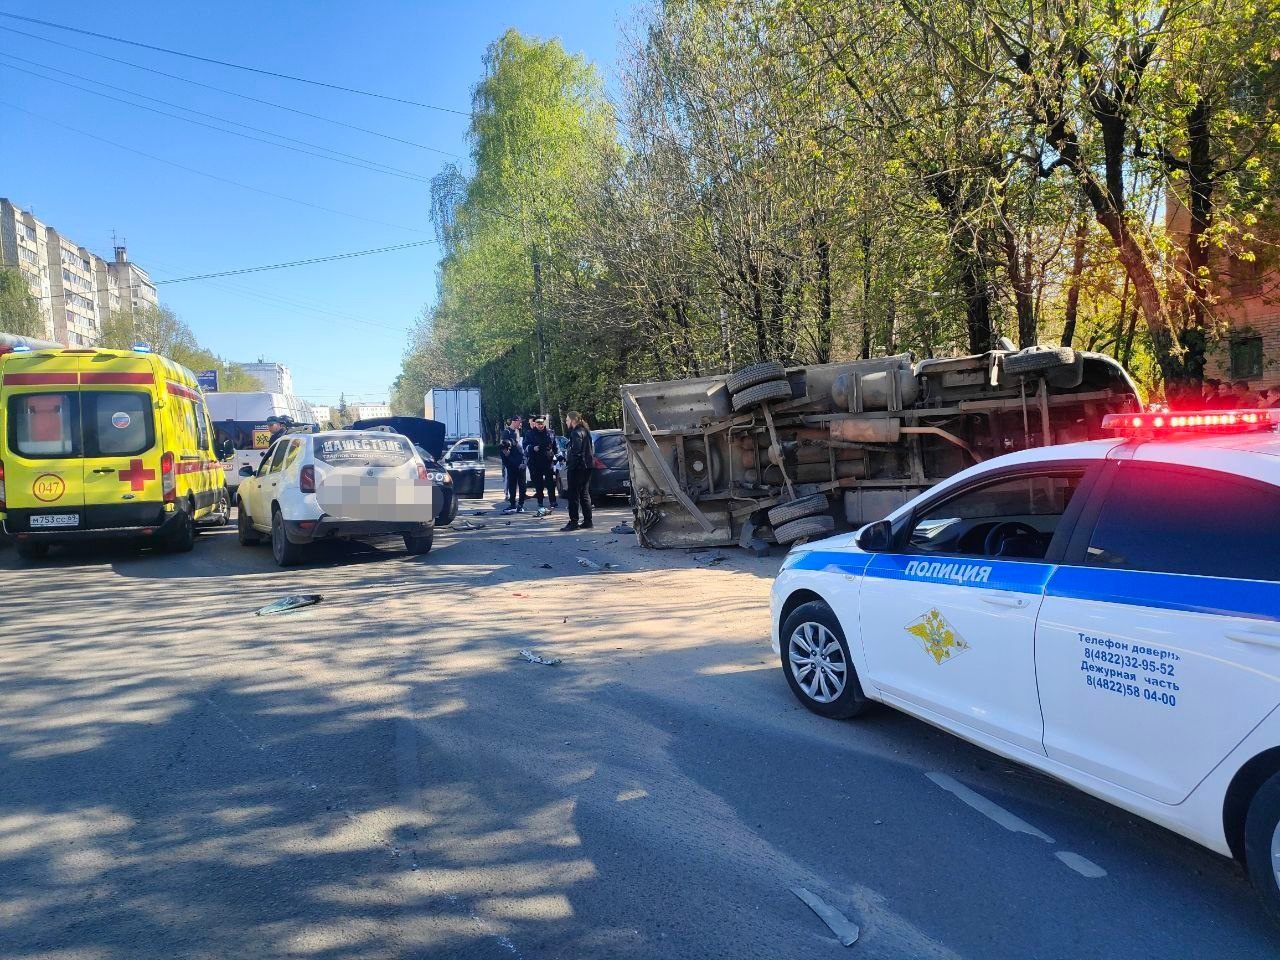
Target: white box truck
(458, 409)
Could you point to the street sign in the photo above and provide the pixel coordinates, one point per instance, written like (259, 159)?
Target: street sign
(208, 380)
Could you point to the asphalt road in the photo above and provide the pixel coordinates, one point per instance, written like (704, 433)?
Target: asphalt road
(383, 775)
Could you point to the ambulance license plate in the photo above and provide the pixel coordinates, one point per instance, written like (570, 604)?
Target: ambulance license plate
(55, 520)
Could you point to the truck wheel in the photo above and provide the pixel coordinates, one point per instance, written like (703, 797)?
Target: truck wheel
(1262, 845)
(804, 507)
(244, 528)
(1036, 359)
(419, 544)
(817, 664)
(285, 552)
(182, 538)
(803, 528)
(761, 393)
(754, 374)
(31, 551)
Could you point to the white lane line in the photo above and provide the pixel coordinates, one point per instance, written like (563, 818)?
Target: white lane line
(845, 930)
(1081, 865)
(985, 807)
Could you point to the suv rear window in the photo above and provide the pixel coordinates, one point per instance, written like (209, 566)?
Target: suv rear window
(90, 423)
(611, 448)
(374, 450)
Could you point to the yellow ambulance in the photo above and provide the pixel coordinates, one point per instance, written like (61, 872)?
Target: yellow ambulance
(99, 444)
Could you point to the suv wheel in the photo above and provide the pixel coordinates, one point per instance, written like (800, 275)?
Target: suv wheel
(419, 544)
(244, 528)
(816, 660)
(285, 552)
(1262, 845)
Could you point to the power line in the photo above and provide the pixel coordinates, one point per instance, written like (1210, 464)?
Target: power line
(298, 263)
(231, 93)
(211, 176)
(237, 66)
(359, 162)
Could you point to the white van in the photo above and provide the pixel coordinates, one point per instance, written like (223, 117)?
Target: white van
(241, 418)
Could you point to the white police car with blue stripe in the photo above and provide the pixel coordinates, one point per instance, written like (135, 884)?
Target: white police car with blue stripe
(1107, 612)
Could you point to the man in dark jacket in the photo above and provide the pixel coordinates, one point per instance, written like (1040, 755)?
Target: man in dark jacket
(513, 472)
(540, 457)
(580, 460)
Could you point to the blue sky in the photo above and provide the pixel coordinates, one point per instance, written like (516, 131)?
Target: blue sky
(339, 326)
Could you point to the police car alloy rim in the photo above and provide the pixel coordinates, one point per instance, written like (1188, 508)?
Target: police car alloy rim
(817, 662)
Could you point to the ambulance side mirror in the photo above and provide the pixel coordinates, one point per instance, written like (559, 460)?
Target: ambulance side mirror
(876, 537)
(226, 449)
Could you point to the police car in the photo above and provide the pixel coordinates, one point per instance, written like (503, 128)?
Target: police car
(1107, 612)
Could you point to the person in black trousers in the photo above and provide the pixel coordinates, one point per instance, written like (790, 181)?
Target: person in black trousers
(513, 464)
(580, 460)
(540, 457)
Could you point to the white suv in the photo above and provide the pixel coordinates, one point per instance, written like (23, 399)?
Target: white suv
(341, 483)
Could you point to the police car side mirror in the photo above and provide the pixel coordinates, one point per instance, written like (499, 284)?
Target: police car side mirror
(246, 471)
(876, 537)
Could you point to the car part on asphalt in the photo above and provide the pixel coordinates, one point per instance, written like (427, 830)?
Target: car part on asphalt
(804, 507)
(623, 527)
(707, 466)
(533, 657)
(755, 374)
(292, 602)
(762, 393)
(845, 930)
(804, 527)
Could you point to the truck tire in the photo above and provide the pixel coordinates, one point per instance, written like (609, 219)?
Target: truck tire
(761, 393)
(804, 507)
(803, 528)
(755, 374)
(1036, 359)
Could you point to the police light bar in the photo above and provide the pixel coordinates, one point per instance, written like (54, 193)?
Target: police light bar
(1201, 421)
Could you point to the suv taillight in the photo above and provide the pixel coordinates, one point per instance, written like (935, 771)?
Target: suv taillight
(307, 479)
(599, 464)
(168, 481)
(2, 506)
(423, 476)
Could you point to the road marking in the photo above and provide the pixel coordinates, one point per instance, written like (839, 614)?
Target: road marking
(985, 807)
(845, 930)
(1081, 865)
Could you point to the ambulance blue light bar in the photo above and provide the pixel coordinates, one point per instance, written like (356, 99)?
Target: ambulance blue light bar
(142, 348)
(1155, 424)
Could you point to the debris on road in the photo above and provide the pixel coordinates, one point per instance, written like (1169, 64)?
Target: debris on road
(285, 604)
(544, 566)
(845, 930)
(623, 527)
(592, 565)
(467, 525)
(538, 658)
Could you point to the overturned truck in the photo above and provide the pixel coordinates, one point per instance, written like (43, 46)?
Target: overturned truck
(775, 455)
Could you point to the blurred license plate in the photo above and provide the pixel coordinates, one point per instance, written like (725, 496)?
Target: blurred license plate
(56, 520)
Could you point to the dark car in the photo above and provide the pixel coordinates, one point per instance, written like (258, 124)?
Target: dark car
(612, 474)
(427, 436)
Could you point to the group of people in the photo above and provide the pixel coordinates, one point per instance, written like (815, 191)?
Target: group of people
(1224, 395)
(529, 454)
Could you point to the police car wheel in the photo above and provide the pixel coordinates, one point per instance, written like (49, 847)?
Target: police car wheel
(244, 528)
(285, 552)
(1262, 845)
(816, 661)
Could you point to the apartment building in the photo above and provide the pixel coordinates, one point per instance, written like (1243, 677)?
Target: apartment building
(367, 411)
(274, 377)
(76, 290)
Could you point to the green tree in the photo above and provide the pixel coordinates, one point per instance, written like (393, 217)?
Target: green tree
(19, 310)
(167, 335)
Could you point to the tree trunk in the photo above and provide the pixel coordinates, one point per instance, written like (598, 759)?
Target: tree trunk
(540, 345)
(864, 239)
(825, 328)
(1073, 289)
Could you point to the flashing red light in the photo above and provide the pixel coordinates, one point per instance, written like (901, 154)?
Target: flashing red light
(1210, 421)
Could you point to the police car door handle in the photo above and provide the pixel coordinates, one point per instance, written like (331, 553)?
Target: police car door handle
(1004, 600)
(1256, 638)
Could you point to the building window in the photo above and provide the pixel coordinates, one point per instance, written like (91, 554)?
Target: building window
(28, 232)
(1246, 358)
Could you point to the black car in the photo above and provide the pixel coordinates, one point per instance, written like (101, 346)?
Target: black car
(427, 436)
(612, 474)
